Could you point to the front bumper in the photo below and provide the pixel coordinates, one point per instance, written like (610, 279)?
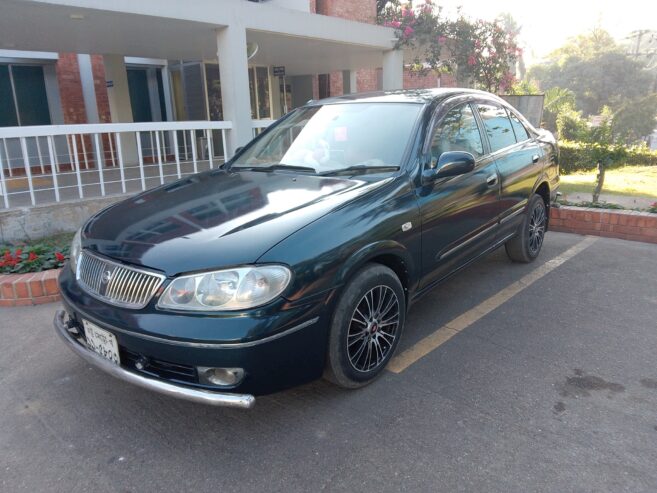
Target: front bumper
(280, 346)
(244, 401)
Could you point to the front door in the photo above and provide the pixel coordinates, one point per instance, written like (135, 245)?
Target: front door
(459, 213)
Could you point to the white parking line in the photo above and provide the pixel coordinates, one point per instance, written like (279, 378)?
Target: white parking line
(420, 349)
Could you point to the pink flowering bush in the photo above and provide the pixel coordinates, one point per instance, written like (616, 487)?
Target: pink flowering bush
(480, 52)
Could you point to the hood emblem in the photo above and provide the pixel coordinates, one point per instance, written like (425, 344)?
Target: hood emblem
(407, 226)
(106, 277)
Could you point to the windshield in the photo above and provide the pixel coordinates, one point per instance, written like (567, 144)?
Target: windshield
(336, 136)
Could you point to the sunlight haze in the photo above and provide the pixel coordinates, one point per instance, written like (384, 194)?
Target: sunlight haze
(545, 26)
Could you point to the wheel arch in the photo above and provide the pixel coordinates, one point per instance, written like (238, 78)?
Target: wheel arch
(388, 253)
(542, 188)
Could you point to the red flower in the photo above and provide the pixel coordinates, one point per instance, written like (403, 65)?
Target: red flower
(471, 60)
(19, 252)
(442, 40)
(8, 256)
(408, 31)
(59, 257)
(32, 257)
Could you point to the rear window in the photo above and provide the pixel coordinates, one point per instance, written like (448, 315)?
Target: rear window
(518, 128)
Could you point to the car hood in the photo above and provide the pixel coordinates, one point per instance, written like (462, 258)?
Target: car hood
(215, 219)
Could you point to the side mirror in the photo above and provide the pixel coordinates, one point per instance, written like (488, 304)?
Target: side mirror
(451, 163)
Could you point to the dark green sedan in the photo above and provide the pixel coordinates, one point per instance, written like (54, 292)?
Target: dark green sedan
(301, 255)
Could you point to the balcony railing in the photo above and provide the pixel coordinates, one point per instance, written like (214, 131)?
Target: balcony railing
(54, 163)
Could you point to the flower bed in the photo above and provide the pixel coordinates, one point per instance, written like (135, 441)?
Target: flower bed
(28, 271)
(39, 256)
(21, 261)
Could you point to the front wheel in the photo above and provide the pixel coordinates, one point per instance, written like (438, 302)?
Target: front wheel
(366, 327)
(526, 245)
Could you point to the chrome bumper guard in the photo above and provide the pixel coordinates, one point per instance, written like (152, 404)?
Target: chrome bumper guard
(243, 401)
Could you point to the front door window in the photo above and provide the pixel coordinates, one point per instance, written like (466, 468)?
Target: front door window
(458, 131)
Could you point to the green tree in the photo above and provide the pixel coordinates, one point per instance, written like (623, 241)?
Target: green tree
(585, 47)
(635, 119)
(557, 100)
(599, 74)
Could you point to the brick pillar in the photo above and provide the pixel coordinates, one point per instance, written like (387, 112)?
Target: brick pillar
(70, 89)
(336, 84)
(98, 69)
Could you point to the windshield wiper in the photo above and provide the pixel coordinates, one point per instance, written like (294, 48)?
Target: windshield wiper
(273, 167)
(359, 169)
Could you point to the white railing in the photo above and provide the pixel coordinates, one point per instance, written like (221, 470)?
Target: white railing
(46, 164)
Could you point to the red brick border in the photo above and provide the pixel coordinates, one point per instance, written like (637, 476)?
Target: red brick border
(34, 288)
(627, 225)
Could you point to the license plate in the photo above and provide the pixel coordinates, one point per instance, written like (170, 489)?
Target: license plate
(101, 341)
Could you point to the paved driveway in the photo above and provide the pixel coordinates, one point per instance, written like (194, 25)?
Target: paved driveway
(554, 388)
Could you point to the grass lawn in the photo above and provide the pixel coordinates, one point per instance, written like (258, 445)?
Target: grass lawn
(635, 181)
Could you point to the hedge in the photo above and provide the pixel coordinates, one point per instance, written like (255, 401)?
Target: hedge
(584, 156)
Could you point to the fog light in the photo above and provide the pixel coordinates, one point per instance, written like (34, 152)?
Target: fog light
(222, 377)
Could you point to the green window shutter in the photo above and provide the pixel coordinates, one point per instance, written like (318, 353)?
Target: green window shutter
(8, 116)
(31, 97)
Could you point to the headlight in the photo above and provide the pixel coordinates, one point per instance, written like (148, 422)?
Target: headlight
(230, 289)
(74, 252)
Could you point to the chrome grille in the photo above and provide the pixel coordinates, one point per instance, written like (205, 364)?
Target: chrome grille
(116, 283)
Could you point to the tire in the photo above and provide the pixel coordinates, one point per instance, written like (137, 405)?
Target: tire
(366, 327)
(526, 245)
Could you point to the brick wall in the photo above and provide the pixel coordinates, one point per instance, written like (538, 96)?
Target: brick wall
(357, 10)
(413, 80)
(367, 79)
(447, 80)
(70, 88)
(626, 225)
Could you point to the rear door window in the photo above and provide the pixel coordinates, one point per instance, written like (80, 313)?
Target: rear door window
(497, 126)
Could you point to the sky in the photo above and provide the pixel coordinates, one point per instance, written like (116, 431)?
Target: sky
(547, 25)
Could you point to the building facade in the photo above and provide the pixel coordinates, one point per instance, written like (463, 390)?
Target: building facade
(44, 88)
(99, 98)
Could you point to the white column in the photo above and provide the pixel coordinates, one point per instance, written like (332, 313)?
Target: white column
(353, 81)
(88, 88)
(393, 70)
(234, 74)
(117, 89)
(118, 94)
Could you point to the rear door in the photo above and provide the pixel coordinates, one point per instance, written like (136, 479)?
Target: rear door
(459, 213)
(518, 159)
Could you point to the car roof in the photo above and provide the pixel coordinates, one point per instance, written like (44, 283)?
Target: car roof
(423, 96)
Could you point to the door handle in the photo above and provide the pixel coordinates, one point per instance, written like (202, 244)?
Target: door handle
(491, 180)
(535, 158)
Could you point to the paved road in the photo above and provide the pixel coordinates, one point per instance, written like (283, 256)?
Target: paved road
(554, 390)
